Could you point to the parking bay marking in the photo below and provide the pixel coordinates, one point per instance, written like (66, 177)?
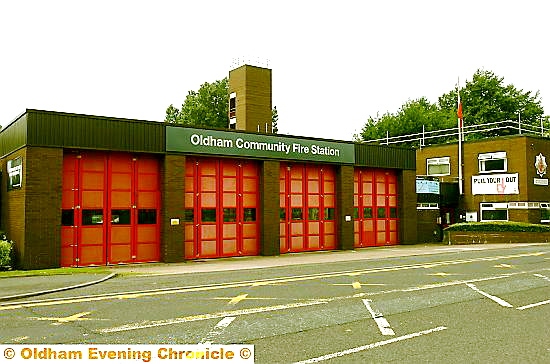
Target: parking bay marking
(496, 299)
(383, 324)
(371, 346)
(131, 295)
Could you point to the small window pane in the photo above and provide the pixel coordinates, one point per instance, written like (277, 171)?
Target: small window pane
(120, 217)
(329, 213)
(381, 212)
(356, 213)
(188, 215)
(313, 213)
(249, 214)
(67, 217)
(92, 217)
(229, 214)
(147, 216)
(367, 213)
(393, 212)
(297, 213)
(282, 214)
(208, 215)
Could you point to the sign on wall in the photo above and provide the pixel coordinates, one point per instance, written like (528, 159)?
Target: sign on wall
(15, 173)
(495, 184)
(200, 141)
(426, 186)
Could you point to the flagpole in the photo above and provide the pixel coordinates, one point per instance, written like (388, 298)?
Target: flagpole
(460, 133)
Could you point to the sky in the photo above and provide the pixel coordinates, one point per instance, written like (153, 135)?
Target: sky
(334, 64)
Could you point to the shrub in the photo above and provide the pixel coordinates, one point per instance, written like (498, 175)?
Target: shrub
(499, 226)
(6, 253)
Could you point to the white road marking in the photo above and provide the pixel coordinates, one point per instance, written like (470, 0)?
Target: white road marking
(534, 305)
(370, 346)
(289, 279)
(543, 277)
(383, 324)
(208, 316)
(218, 329)
(496, 299)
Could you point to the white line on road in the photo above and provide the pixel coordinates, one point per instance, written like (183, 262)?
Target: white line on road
(370, 346)
(382, 323)
(543, 277)
(217, 330)
(534, 305)
(498, 300)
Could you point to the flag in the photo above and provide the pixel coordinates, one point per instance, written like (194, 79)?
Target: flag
(460, 118)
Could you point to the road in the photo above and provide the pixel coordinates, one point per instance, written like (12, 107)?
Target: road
(464, 304)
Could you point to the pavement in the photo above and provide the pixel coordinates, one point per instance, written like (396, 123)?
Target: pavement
(19, 288)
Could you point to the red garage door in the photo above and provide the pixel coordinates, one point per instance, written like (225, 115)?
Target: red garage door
(308, 205)
(375, 200)
(110, 207)
(221, 208)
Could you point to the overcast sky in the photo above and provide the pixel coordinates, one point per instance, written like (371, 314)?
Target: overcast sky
(334, 63)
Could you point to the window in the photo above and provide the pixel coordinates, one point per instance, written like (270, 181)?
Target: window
(229, 214)
(313, 213)
(15, 171)
(297, 213)
(208, 215)
(188, 215)
(67, 217)
(329, 213)
(120, 217)
(438, 166)
(494, 211)
(545, 212)
(493, 162)
(92, 217)
(147, 216)
(249, 214)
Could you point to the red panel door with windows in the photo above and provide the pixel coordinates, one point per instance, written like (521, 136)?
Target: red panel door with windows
(308, 203)
(110, 205)
(375, 201)
(221, 201)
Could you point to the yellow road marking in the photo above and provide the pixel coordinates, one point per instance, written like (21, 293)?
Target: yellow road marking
(237, 299)
(60, 320)
(356, 285)
(279, 280)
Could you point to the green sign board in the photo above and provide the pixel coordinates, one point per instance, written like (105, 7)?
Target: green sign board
(200, 141)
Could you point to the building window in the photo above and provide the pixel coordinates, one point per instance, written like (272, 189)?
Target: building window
(15, 172)
(494, 211)
(493, 162)
(545, 213)
(438, 166)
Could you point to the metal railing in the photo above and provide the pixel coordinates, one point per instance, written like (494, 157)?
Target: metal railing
(451, 134)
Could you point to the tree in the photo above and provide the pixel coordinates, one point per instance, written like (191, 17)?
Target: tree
(411, 118)
(274, 120)
(207, 107)
(485, 99)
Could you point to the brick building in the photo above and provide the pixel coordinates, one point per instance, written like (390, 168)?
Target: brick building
(504, 179)
(81, 190)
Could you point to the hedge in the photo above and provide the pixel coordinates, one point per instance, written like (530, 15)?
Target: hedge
(499, 226)
(6, 255)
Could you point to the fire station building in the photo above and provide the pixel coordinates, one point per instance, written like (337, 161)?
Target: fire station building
(504, 179)
(80, 190)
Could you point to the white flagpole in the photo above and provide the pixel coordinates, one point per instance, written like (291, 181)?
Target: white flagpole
(460, 187)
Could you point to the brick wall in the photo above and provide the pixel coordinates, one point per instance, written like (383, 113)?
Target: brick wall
(43, 173)
(173, 197)
(270, 207)
(407, 207)
(344, 200)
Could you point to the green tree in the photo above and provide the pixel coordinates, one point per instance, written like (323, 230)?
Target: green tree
(207, 107)
(411, 118)
(486, 99)
(274, 120)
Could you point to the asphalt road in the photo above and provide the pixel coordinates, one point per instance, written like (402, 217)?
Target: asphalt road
(461, 305)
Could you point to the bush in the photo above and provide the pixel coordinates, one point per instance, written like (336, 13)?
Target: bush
(6, 253)
(499, 226)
